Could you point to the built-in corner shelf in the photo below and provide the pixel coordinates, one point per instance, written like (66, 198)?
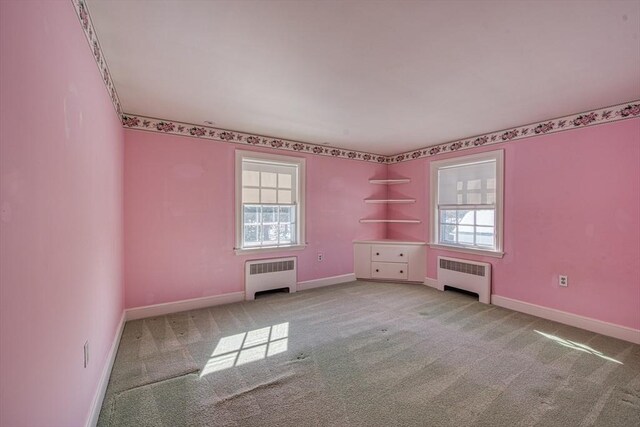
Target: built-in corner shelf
(399, 221)
(389, 181)
(390, 201)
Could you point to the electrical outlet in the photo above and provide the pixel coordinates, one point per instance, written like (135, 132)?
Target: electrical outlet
(86, 354)
(563, 281)
(320, 256)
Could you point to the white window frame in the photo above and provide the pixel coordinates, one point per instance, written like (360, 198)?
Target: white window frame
(435, 166)
(300, 197)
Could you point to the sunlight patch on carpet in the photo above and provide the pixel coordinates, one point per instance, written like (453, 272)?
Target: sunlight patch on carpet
(246, 347)
(577, 346)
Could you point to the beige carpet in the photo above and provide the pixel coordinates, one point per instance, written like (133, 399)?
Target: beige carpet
(369, 354)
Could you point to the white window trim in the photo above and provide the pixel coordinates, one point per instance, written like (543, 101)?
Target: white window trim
(498, 156)
(300, 231)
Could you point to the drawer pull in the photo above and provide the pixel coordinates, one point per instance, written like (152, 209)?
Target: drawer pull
(377, 271)
(378, 253)
(401, 271)
(401, 254)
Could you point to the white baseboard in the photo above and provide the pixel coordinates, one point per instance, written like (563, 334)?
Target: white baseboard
(593, 325)
(96, 404)
(326, 281)
(182, 305)
(432, 283)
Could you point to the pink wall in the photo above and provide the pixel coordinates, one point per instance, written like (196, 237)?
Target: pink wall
(572, 204)
(60, 217)
(179, 217)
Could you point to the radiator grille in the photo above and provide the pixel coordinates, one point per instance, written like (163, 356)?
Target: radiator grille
(462, 267)
(271, 267)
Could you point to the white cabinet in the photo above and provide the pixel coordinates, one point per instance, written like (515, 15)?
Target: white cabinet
(390, 260)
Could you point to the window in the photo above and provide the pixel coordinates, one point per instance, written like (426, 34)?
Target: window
(466, 203)
(269, 201)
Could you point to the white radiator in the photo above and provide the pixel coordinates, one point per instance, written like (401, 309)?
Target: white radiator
(467, 275)
(266, 274)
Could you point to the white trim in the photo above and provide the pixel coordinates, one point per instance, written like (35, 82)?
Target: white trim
(462, 249)
(498, 156)
(432, 283)
(269, 249)
(300, 162)
(326, 281)
(182, 305)
(605, 328)
(98, 397)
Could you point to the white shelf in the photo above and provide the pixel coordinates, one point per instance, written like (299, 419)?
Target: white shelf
(389, 200)
(392, 242)
(389, 181)
(403, 221)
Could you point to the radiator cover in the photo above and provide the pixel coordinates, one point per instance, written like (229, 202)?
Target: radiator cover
(267, 274)
(470, 276)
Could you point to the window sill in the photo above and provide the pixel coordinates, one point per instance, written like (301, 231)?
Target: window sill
(482, 252)
(269, 249)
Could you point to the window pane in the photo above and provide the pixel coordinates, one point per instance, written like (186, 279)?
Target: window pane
(269, 179)
(250, 195)
(485, 217)
(448, 216)
(465, 234)
(465, 217)
(270, 234)
(251, 214)
(284, 180)
(268, 196)
(284, 196)
(269, 214)
(285, 214)
(251, 236)
(448, 234)
(285, 233)
(485, 236)
(250, 178)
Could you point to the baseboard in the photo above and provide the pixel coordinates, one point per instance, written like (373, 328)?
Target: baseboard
(432, 283)
(326, 281)
(182, 305)
(610, 329)
(96, 404)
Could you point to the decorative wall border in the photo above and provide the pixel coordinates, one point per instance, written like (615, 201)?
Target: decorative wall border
(206, 132)
(92, 38)
(595, 117)
(614, 113)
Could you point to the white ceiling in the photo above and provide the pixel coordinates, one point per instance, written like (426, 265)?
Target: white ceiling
(377, 76)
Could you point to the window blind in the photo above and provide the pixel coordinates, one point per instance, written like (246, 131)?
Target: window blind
(268, 183)
(469, 184)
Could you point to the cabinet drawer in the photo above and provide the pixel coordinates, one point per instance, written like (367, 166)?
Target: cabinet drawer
(389, 270)
(389, 253)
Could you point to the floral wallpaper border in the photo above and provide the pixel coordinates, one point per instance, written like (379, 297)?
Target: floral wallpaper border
(206, 132)
(623, 111)
(90, 33)
(604, 115)
(618, 112)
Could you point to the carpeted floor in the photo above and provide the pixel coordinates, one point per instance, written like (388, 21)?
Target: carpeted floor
(369, 354)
